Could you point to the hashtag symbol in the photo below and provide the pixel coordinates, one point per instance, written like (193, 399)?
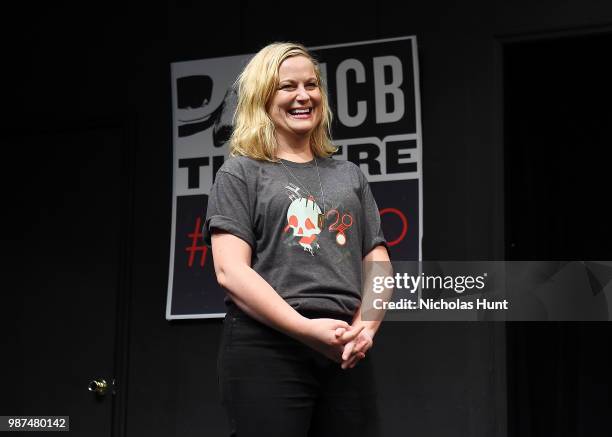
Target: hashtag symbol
(196, 237)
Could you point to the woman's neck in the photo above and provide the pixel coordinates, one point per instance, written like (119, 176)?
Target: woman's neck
(295, 152)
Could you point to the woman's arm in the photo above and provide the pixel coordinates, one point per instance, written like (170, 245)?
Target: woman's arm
(253, 295)
(356, 349)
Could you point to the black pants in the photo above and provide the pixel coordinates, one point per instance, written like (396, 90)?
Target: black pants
(274, 386)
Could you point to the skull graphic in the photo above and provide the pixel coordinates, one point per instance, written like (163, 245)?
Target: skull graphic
(302, 218)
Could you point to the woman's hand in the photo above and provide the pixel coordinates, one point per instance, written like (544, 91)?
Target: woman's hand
(356, 349)
(329, 336)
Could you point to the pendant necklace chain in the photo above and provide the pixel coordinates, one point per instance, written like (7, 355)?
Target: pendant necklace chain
(321, 216)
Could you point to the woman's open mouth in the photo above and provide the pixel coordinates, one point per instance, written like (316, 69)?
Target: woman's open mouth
(301, 113)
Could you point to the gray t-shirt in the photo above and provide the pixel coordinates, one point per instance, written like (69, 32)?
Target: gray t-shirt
(315, 267)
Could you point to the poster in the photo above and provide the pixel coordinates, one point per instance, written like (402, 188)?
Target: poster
(373, 90)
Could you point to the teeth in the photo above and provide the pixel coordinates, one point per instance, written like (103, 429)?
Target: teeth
(299, 111)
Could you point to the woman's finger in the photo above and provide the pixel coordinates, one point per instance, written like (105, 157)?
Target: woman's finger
(351, 334)
(347, 350)
(350, 363)
(363, 344)
(360, 356)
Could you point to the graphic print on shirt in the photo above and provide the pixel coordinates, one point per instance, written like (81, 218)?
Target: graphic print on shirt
(339, 223)
(306, 222)
(303, 219)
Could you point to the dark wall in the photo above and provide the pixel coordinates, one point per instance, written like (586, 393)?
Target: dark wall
(70, 65)
(557, 142)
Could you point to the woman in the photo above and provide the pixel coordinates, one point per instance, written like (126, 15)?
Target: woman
(290, 228)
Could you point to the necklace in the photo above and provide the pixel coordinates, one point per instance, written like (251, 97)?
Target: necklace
(320, 217)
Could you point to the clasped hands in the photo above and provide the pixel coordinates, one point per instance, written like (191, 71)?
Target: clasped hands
(346, 344)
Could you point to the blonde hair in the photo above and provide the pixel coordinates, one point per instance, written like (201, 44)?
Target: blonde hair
(254, 133)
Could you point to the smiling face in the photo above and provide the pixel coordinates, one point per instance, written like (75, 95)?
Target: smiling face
(295, 107)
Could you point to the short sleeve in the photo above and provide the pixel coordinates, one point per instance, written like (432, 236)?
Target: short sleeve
(229, 209)
(372, 231)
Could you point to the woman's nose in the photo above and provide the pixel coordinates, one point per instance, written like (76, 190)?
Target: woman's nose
(302, 94)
